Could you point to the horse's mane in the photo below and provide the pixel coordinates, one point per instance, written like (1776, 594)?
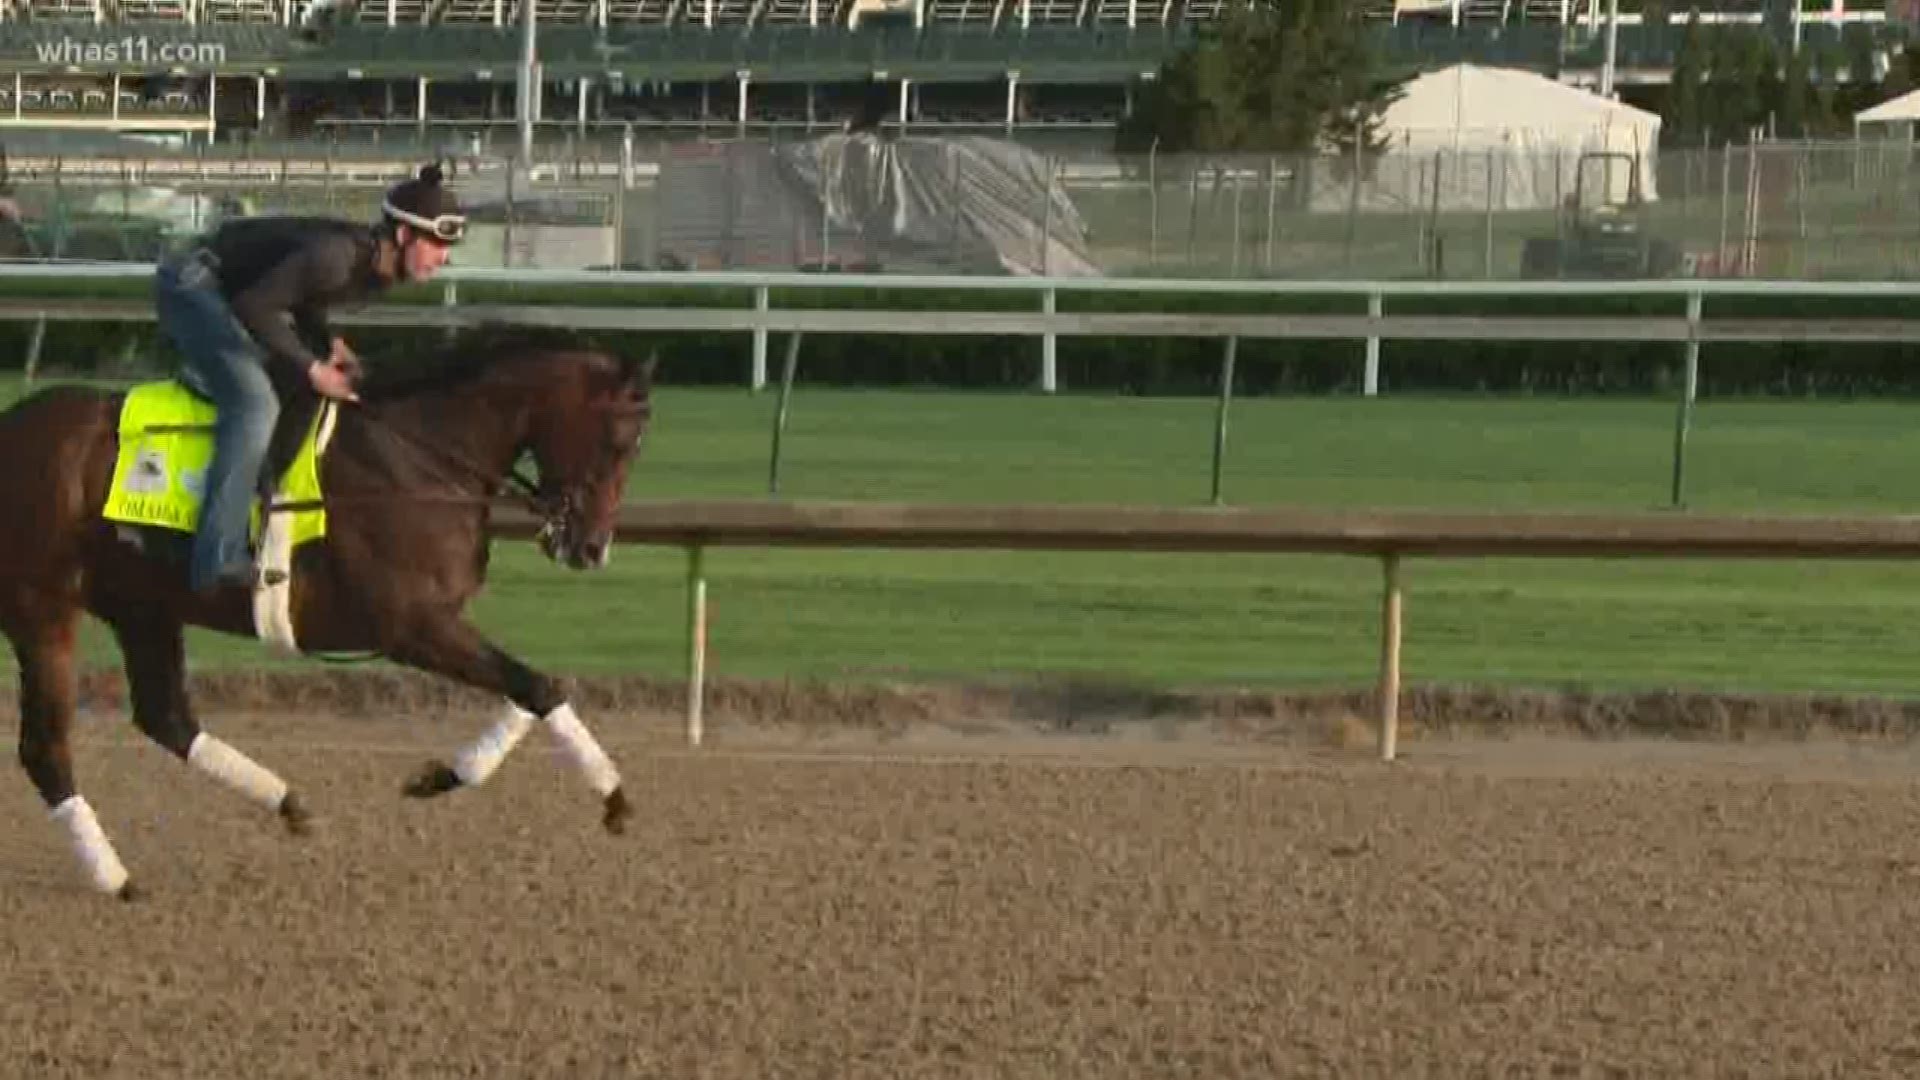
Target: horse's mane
(472, 352)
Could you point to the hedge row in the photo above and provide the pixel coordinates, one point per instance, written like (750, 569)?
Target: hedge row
(1137, 366)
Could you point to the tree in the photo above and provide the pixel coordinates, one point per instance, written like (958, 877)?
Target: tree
(1796, 97)
(1860, 52)
(1352, 133)
(1684, 121)
(1742, 86)
(1276, 76)
(1829, 61)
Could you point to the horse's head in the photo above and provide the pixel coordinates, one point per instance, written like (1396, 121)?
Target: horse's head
(583, 442)
(548, 392)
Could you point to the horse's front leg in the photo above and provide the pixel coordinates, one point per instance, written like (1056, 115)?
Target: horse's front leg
(451, 647)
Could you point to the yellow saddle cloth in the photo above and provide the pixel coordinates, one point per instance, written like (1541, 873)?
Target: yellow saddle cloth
(166, 444)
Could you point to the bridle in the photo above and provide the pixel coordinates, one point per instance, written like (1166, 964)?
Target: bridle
(551, 507)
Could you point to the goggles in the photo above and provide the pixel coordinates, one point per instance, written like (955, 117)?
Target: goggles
(447, 228)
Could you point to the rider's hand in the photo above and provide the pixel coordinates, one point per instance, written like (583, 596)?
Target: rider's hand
(332, 380)
(344, 357)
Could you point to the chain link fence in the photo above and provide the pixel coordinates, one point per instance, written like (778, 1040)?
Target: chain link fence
(1843, 210)
(1832, 210)
(133, 203)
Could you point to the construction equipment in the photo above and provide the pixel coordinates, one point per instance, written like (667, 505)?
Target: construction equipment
(1601, 236)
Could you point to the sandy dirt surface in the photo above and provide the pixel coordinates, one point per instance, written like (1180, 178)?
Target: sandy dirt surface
(947, 904)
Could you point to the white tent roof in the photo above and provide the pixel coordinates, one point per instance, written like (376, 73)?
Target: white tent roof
(1471, 106)
(1480, 139)
(1906, 107)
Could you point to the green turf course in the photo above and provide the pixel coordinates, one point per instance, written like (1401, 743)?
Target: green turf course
(1270, 621)
(1277, 621)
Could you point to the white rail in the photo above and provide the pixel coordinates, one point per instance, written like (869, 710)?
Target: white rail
(1685, 327)
(744, 279)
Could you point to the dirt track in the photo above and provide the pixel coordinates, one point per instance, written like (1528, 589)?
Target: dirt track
(946, 905)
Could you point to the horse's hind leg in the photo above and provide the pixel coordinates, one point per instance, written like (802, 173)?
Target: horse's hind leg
(43, 636)
(451, 647)
(154, 648)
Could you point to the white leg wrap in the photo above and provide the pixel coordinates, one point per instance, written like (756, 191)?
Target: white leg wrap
(581, 746)
(236, 770)
(478, 761)
(90, 843)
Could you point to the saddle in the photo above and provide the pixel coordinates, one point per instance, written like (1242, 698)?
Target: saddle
(166, 444)
(165, 435)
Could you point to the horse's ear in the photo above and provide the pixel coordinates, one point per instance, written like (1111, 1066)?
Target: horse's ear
(639, 374)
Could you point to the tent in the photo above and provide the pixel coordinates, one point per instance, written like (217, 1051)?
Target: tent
(1479, 138)
(968, 205)
(1894, 117)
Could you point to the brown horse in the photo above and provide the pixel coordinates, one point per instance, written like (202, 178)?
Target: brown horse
(408, 480)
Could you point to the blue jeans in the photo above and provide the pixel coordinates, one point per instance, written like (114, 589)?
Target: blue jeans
(227, 367)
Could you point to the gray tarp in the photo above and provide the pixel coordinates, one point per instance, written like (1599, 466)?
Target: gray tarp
(955, 205)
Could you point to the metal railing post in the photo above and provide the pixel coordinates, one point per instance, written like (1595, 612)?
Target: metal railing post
(1689, 389)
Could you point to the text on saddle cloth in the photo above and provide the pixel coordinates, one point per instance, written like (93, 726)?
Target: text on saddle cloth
(166, 444)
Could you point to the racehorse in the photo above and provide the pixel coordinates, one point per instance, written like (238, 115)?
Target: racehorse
(408, 477)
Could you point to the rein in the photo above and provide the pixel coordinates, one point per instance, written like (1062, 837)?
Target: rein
(551, 508)
(548, 509)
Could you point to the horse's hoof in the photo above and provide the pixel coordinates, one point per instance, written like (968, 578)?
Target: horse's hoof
(128, 893)
(618, 810)
(434, 778)
(295, 815)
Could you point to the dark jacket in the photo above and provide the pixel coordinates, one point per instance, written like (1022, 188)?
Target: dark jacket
(281, 274)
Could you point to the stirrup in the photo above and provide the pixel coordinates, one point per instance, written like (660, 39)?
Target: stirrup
(259, 579)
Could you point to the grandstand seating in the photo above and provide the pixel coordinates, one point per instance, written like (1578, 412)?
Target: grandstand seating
(974, 14)
(1026, 13)
(641, 12)
(954, 14)
(386, 12)
(794, 13)
(61, 11)
(266, 12)
(92, 97)
(717, 12)
(137, 11)
(677, 57)
(766, 35)
(1201, 11)
(471, 12)
(568, 11)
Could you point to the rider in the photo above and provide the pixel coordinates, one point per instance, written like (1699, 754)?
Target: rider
(239, 303)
